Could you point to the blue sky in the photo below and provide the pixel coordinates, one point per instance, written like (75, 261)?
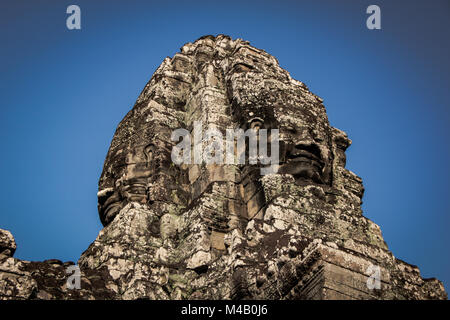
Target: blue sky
(62, 94)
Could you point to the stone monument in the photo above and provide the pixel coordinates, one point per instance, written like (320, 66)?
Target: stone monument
(225, 231)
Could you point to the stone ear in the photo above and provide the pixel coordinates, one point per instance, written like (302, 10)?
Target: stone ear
(149, 153)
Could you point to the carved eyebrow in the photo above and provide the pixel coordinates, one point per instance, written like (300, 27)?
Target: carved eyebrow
(291, 128)
(237, 67)
(255, 119)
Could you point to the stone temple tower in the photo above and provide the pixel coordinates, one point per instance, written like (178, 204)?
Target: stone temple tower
(224, 230)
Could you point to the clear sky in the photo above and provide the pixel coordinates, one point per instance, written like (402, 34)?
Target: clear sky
(62, 94)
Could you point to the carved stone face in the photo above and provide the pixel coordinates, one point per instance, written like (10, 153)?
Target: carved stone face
(131, 182)
(139, 169)
(248, 90)
(305, 134)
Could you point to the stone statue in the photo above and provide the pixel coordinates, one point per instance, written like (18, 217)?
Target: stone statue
(225, 231)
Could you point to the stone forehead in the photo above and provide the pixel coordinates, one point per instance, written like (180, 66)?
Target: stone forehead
(257, 83)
